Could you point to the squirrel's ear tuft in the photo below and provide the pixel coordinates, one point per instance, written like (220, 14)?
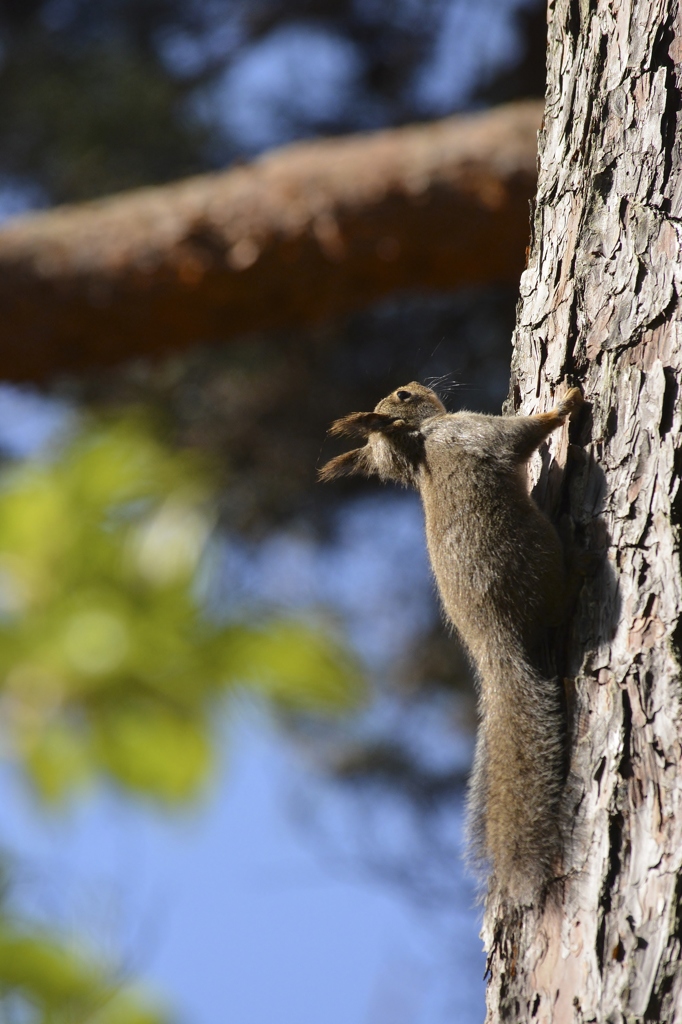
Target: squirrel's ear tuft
(347, 464)
(360, 424)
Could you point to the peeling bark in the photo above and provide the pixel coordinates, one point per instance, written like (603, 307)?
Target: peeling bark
(304, 233)
(600, 303)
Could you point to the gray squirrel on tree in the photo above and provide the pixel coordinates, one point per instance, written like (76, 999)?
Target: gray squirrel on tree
(499, 566)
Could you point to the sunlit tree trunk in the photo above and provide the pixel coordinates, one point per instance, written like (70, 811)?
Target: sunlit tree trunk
(601, 304)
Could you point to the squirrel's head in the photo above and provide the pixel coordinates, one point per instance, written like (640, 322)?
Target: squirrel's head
(398, 418)
(412, 403)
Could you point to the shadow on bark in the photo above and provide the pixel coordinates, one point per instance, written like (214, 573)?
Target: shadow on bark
(572, 491)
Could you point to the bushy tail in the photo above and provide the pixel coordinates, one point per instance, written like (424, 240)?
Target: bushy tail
(515, 793)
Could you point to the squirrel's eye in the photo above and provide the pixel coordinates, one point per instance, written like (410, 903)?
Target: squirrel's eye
(403, 395)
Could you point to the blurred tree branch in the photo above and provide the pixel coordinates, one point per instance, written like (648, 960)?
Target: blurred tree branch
(304, 233)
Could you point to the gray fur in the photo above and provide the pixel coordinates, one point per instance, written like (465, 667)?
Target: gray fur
(499, 567)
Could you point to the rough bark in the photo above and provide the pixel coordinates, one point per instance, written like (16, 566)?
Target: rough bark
(310, 231)
(601, 303)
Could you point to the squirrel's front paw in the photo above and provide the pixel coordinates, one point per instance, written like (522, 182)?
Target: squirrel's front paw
(361, 424)
(571, 401)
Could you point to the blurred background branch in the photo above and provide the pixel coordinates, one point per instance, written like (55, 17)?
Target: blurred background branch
(302, 235)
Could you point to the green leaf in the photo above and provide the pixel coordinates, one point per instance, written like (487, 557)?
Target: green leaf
(296, 666)
(153, 750)
(64, 984)
(59, 760)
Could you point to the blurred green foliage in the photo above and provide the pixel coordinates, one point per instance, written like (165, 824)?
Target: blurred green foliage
(107, 662)
(44, 981)
(110, 667)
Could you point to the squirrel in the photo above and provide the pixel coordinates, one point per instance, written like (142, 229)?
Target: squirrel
(499, 567)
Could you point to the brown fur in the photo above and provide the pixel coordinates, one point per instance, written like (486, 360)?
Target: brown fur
(499, 567)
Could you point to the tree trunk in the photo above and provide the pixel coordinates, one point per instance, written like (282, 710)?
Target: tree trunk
(600, 303)
(310, 231)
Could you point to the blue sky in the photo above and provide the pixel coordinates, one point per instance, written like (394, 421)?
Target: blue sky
(231, 913)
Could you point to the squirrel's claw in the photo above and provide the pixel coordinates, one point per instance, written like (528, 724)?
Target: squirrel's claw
(571, 401)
